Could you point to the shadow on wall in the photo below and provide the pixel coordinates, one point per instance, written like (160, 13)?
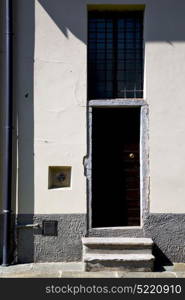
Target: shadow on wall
(1, 78)
(161, 259)
(69, 15)
(23, 130)
(24, 38)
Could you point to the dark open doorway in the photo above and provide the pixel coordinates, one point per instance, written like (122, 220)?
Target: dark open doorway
(115, 167)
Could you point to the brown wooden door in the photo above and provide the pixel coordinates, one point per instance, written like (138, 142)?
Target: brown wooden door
(131, 183)
(115, 167)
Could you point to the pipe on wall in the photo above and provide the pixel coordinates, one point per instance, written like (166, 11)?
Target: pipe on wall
(7, 106)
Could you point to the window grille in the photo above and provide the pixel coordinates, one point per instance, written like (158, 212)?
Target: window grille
(115, 55)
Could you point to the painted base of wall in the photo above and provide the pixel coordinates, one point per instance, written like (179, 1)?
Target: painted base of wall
(32, 246)
(166, 230)
(168, 234)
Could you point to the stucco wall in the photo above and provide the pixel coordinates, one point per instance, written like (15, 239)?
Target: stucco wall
(50, 94)
(165, 90)
(60, 114)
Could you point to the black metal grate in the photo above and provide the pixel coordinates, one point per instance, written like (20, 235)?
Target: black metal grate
(50, 228)
(115, 55)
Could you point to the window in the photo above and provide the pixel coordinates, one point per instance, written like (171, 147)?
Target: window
(115, 54)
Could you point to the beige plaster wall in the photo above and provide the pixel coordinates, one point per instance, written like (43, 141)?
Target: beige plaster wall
(60, 64)
(165, 92)
(60, 110)
(51, 62)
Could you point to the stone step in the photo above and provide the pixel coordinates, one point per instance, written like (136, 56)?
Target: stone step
(117, 253)
(117, 243)
(119, 262)
(87, 250)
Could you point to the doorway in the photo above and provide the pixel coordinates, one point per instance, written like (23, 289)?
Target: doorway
(115, 167)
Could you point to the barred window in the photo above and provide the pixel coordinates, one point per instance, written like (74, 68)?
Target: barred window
(115, 54)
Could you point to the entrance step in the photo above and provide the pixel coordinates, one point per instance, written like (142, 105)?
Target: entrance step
(118, 254)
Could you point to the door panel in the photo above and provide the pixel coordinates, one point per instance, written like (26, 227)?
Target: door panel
(115, 167)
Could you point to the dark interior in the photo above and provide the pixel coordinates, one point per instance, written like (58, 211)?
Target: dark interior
(115, 167)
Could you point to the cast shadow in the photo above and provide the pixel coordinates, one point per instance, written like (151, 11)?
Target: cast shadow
(161, 260)
(64, 15)
(1, 131)
(69, 16)
(24, 40)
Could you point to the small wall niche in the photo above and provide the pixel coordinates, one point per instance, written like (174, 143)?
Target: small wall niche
(59, 177)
